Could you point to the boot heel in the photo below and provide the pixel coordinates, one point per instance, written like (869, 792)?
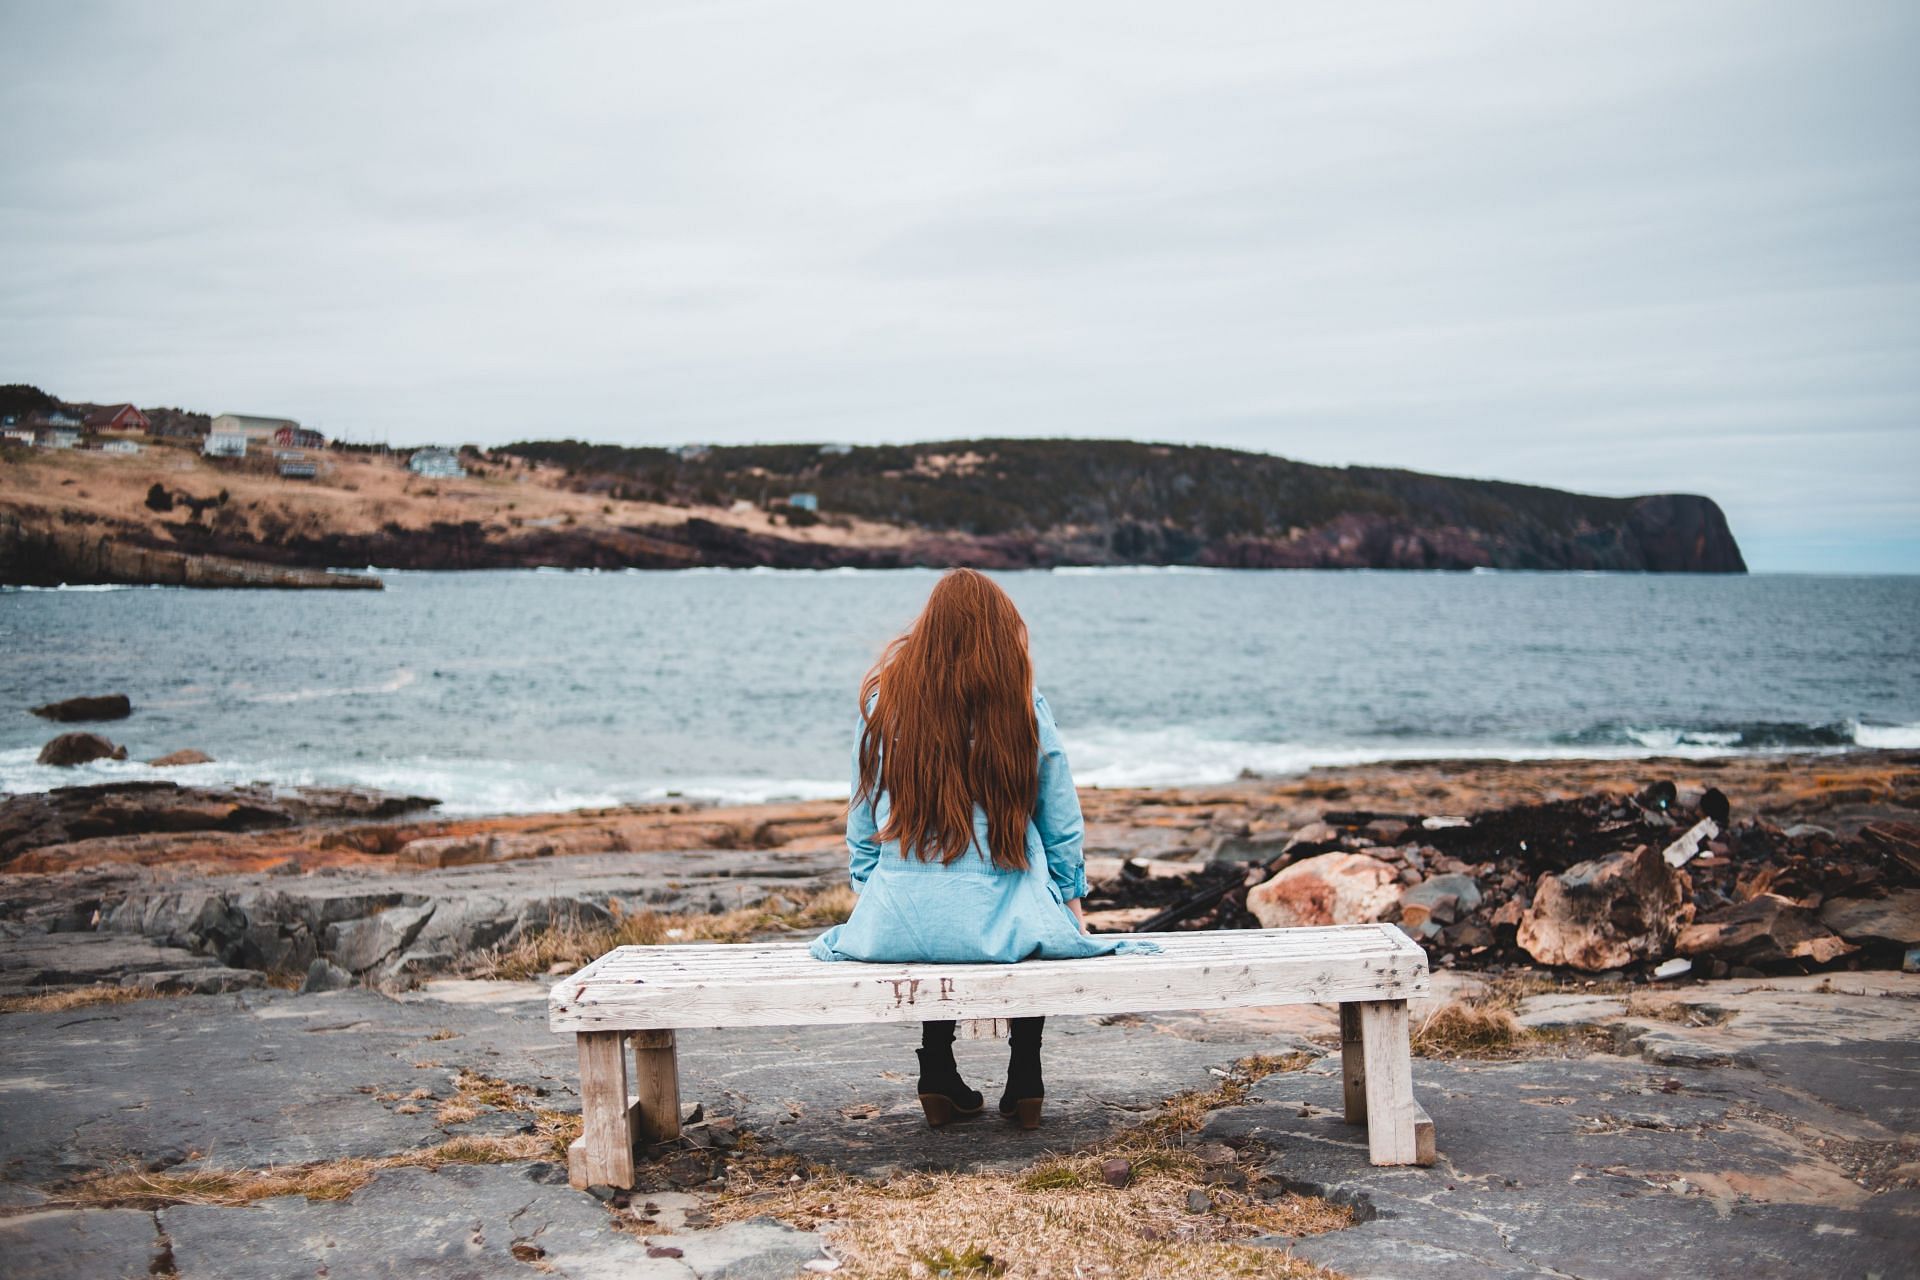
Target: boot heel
(1027, 1112)
(939, 1109)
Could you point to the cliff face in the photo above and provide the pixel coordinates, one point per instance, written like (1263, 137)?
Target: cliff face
(1009, 503)
(984, 503)
(45, 557)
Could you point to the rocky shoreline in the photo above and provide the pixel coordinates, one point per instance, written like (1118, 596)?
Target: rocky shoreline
(1492, 865)
(265, 1121)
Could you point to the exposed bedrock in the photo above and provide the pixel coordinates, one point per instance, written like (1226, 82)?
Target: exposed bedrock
(391, 928)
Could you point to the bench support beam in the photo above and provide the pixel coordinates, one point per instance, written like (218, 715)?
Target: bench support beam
(1376, 1075)
(614, 1122)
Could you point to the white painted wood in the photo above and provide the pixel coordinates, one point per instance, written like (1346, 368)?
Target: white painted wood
(983, 1029)
(656, 1077)
(1391, 1110)
(778, 984)
(607, 1126)
(1683, 850)
(1353, 1064)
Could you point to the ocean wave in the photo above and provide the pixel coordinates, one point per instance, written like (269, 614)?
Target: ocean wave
(1887, 737)
(393, 684)
(1757, 735)
(93, 586)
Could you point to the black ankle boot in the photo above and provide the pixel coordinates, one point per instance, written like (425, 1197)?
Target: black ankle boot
(1025, 1089)
(944, 1095)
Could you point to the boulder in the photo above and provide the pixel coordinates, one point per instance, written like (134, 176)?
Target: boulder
(1331, 888)
(1440, 900)
(1894, 918)
(1607, 912)
(324, 975)
(1262, 846)
(106, 706)
(77, 748)
(185, 756)
(1766, 929)
(1314, 833)
(360, 945)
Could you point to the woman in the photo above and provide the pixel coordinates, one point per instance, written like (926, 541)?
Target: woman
(964, 830)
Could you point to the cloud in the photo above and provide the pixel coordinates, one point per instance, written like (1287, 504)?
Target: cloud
(1620, 249)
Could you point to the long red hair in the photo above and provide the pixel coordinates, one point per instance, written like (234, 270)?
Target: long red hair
(952, 724)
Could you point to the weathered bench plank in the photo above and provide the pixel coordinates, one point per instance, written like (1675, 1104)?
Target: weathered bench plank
(641, 995)
(780, 985)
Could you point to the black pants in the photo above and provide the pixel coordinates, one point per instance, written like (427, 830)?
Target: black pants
(1024, 1034)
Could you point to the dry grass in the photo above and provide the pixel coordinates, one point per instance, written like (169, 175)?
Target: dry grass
(1464, 1029)
(551, 1133)
(1058, 1220)
(573, 944)
(77, 998)
(330, 1180)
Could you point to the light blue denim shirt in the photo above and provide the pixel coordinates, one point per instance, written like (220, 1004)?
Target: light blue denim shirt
(969, 910)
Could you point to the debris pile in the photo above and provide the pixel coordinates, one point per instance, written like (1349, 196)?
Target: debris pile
(1660, 883)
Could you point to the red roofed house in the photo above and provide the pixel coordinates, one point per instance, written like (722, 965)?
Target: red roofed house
(117, 417)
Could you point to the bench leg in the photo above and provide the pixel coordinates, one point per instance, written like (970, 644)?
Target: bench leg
(1398, 1130)
(605, 1146)
(656, 1078)
(1353, 1064)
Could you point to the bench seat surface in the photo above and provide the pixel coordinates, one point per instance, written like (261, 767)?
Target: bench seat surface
(779, 984)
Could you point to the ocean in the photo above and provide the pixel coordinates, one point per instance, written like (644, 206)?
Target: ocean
(525, 691)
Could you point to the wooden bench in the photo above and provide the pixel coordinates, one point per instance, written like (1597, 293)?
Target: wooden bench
(642, 995)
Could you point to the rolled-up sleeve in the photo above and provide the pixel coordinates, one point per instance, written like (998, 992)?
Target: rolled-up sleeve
(1062, 829)
(863, 845)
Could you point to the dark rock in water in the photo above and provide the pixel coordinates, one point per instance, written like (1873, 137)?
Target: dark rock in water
(323, 975)
(77, 748)
(106, 706)
(37, 819)
(186, 756)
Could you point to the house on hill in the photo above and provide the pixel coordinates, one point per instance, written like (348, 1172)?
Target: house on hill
(435, 461)
(294, 436)
(225, 444)
(118, 417)
(249, 426)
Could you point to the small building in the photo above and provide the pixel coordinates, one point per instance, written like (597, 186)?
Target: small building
(225, 444)
(298, 469)
(250, 426)
(803, 501)
(18, 435)
(838, 450)
(58, 438)
(691, 452)
(298, 437)
(435, 461)
(120, 446)
(118, 417)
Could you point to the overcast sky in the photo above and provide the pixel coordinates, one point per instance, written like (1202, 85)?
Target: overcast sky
(1620, 248)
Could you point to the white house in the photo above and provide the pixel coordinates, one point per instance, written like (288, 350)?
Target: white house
(18, 435)
(59, 438)
(225, 444)
(803, 501)
(434, 461)
(120, 446)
